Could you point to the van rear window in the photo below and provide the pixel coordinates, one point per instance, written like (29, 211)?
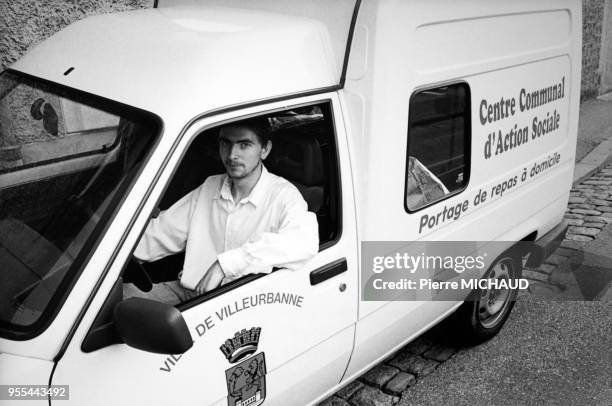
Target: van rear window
(66, 159)
(438, 162)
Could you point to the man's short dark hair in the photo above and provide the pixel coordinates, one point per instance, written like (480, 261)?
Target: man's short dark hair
(259, 125)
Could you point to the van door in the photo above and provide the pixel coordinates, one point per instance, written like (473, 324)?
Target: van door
(297, 327)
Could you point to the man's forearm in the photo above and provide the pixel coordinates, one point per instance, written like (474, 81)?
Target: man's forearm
(289, 248)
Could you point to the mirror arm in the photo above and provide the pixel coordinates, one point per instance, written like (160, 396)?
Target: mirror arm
(103, 332)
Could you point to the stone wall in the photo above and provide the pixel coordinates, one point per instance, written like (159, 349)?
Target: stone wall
(605, 63)
(592, 20)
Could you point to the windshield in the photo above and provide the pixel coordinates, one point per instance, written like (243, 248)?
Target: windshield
(66, 158)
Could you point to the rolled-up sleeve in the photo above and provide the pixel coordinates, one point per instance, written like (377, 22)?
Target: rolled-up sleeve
(291, 246)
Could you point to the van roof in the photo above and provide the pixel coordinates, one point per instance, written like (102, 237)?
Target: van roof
(190, 59)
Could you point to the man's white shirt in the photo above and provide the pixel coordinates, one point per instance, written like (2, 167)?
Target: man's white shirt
(271, 227)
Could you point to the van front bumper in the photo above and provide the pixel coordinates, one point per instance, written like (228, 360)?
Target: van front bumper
(544, 246)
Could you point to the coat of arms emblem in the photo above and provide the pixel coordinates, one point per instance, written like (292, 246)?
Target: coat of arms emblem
(246, 381)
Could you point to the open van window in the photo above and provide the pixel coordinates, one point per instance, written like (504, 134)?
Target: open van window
(438, 145)
(65, 159)
(303, 152)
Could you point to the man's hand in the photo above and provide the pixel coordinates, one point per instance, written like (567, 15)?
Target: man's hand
(212, 279)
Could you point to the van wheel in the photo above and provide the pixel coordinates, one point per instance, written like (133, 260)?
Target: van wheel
(483, 316)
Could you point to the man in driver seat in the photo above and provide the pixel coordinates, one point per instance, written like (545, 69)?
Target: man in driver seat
(242, 222)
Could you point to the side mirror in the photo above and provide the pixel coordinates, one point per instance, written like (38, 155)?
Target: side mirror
(152, 326)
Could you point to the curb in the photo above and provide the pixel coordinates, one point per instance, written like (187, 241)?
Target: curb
(594, 161)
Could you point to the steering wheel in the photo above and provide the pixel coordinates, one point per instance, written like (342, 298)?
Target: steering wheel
(136, 273)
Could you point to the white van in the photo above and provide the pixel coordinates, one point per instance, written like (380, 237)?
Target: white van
(113, 119)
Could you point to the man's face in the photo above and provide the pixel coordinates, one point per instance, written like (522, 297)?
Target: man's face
(241, 151)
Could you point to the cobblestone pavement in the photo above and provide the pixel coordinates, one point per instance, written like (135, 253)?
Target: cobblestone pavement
(590, 206)
(589, 211)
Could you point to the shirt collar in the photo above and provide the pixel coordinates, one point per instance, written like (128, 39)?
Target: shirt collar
(258, 193)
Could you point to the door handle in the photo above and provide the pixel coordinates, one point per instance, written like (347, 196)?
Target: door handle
(328, 271)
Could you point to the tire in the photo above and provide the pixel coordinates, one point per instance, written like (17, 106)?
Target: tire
(483, 316)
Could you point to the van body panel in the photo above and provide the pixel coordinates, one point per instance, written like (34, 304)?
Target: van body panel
(453, 41)
(335, 16)
(20, 371)
(393, 323)
(433, 47)
(391, 80)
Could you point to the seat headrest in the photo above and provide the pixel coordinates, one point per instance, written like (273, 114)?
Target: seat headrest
(296, 157)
